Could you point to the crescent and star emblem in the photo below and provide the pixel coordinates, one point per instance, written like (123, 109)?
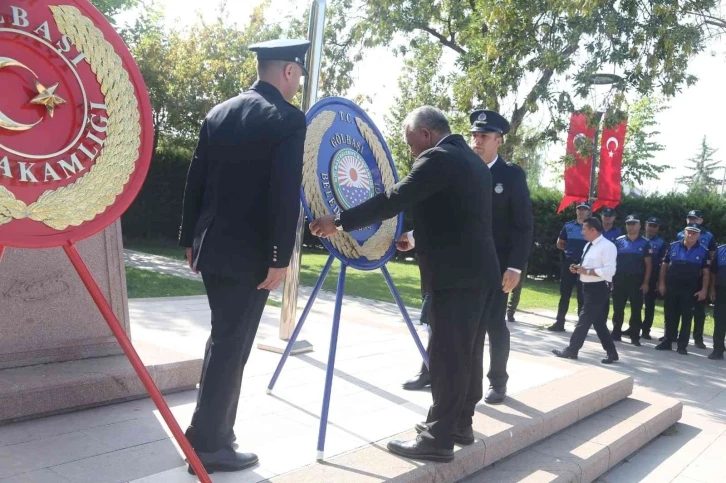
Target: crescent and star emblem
(607, 145)
(46, 96)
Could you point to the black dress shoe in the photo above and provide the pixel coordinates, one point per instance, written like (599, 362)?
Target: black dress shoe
(564, 354)
(463, 436)
(225, 460)
(610, 359)
(420, 449)
(617, 338)
(496, 395)
(682, 351)
(664, 346)
(646, 337)
(636, 343)
(556, 328)
(510, 317)
(716, 355)
(661, 338)
(699, 344)
(419, 381)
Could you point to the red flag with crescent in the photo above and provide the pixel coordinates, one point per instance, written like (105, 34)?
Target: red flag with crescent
(577, 175)
(611, 165)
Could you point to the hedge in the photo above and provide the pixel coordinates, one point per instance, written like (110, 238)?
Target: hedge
(156, 213)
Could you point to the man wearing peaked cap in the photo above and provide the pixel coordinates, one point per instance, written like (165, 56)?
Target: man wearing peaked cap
(513, 224)
(609, 231)
(239, 220)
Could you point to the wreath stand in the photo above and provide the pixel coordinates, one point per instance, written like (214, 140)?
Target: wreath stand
(330, 368)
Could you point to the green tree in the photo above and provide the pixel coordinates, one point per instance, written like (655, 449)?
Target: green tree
(112, 7)
(523, 56)
(640, 147)
(703, 169)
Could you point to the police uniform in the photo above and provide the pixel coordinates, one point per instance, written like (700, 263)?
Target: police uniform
(628, 281)
(513, 224)
(575, 242)
(241, 206)
(718, 269)
(708, 241)
(658, 248)
(613, 233)
(685, 268)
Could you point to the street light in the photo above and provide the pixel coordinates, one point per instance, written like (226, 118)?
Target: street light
(598, 79)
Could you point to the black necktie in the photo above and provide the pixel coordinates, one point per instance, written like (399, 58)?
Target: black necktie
(585, 253)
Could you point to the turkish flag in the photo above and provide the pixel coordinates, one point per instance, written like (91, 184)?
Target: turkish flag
(577, 176)
(611, 165)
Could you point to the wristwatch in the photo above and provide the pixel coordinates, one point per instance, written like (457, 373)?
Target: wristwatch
(338, 224)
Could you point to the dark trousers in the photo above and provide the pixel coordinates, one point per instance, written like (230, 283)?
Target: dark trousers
(679, 306)
(699, 319)
(237, 307)
(649, 302)
(496, 328)
(425, 310)
(568, 281)
(719, 315)
(455, 360)
(514, 297)
(596, 299)
(626, 288)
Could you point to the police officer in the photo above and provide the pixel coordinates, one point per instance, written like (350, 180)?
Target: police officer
(708, 241)
(610, 232)
(571, 242)
(241, 206)
(513, 229)
(718, 296)
(658, 248)
(631, 279)
(684, 278)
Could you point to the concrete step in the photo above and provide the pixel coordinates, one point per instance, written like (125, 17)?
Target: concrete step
(522, 421)
(586, 450)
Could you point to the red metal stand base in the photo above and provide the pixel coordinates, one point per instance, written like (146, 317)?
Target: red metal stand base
(133, 357)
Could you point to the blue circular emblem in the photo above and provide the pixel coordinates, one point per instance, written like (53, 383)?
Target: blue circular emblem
(346, 163)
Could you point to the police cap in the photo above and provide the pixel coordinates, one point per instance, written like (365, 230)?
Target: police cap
(583, 204)
(488, 121)
(632, 219)
(289, 50)
(607, 211)
(653, 221)
(694, 214)
(693, 227)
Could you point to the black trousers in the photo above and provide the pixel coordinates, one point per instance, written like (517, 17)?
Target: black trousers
(649, 302)
(455, 360)
(626, 288)
(514, 297)
(425, 310)
(568, 281)
(679, 307)
(699, 319)
(237, 307)
(719, 315)
(596, 299)
(496, 328)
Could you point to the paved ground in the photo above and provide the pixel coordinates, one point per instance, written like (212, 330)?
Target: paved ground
(127, 442)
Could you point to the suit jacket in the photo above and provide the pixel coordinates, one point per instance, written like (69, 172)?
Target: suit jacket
(512, 215)
(241, 202)
(449, 191)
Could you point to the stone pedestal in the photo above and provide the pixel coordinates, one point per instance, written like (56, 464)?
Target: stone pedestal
(46, 313)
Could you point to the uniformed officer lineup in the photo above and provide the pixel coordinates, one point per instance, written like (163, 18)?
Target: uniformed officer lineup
(473, 234)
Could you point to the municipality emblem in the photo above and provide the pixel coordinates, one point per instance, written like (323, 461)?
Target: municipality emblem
(346, 163)
(482, 117)
(499, 188)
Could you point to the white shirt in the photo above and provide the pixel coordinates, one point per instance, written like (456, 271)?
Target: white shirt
(602, 258)
(412, 240)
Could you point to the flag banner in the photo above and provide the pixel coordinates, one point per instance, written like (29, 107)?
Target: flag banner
(611, 165)
(577, 176)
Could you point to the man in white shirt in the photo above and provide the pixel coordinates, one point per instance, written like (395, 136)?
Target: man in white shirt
(596, 271)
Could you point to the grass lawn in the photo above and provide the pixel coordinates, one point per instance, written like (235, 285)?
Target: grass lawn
(536, 294)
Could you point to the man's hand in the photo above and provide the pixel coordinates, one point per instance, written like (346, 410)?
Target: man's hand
(403, 243)
(510, 280)
(191, 260)
(700, 295)
(324, 226)
(662, 288)
(713, 294)
(645, 287)
(275, 276)
(573, 268)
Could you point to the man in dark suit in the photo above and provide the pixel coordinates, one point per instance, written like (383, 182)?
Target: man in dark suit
(513, 228)
(449, 191)
(241, 207)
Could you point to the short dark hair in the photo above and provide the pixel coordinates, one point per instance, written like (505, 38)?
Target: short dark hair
(594, 223)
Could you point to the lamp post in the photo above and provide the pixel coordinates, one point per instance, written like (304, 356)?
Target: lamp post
(599, 79)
